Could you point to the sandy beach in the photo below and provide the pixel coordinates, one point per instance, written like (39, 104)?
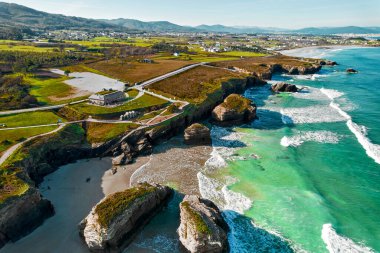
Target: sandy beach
(315, 52)
(171, 163)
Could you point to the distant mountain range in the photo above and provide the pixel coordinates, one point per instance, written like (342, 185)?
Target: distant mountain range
(14, 15)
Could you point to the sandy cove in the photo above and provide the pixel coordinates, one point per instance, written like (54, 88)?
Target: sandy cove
(73, 197)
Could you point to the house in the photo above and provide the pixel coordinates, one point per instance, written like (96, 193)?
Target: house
(107, 97)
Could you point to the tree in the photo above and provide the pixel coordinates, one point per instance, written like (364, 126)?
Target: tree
(67, 72)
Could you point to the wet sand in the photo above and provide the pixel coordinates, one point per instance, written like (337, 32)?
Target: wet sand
(171, 163)
(174, 164)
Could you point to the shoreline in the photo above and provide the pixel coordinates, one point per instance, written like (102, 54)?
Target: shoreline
(171, 162)
(316, 51)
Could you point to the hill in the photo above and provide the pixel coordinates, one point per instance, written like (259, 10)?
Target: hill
(21, 17)
(157, 26)
(14, 15)
(338, 30)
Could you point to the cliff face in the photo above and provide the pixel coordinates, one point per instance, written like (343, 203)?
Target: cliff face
(19, 216)
(114, 221)
(202, 227)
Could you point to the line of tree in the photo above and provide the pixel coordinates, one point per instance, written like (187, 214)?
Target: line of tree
(14, 94)
(31, 61)
(169, 48)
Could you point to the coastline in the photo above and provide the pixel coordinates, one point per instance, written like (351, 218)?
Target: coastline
(316, 51)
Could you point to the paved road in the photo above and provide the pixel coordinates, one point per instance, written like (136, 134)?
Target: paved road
(42, 108)
(170, 74)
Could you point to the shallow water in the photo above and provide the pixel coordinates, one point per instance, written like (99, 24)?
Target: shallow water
(310, 164)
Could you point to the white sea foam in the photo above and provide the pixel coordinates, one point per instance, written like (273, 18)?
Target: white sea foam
(337, 244)
(360, 132)
(311, 77)
(314, 136)
(310, 114)
(247, 237)
(225, 142)
(311, 94)
(224, 198)
(332, 94)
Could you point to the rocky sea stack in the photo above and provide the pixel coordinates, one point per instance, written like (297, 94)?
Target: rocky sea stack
(284, 87)
(234, 110)
(197, 134)
(351, 71)
(202, 227)
(114, 221)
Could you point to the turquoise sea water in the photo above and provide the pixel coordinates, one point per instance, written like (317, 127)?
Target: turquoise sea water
(310, 164)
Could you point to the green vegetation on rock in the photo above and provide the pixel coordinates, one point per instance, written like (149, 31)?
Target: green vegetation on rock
(196, 218)
(236, 102)
(115, 204)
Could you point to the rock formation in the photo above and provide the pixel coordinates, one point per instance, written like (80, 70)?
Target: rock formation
(197, 134)
(284, 87)
(202, 227)
(113, 222)
(234, 110)
(351, 71)
(19, 216)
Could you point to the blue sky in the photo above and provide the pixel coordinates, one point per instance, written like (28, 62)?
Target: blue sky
(264, 13)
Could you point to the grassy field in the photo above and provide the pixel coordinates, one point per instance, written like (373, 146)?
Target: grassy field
(194, 85)
(29, 119)
(9, 138)
(144, 101)
(83, 68)
(255, 64)
(244, 54)
(102, 132)
(52, 91)
(133, 93)
(199, 57)
(134, 72)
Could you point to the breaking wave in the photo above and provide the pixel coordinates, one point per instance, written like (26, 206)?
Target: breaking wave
(314, 136)
(310, 114)
(336, 243)
(360, 132)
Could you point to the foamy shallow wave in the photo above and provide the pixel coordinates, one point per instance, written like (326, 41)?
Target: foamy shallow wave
(332, 94)
(360, 132)
(310, 114)
(311, 77)
(314, 136)
(225, 142)
(244, 235)
(224, 198)
(338, 244)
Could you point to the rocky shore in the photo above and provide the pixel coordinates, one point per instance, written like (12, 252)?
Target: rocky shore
(47, 154)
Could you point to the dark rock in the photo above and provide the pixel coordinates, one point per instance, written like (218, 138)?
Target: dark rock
(197, 134)
(202, 228)
(284, 87)
(234, 110)
(19, 216)
(351, 71)
(122, 159)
